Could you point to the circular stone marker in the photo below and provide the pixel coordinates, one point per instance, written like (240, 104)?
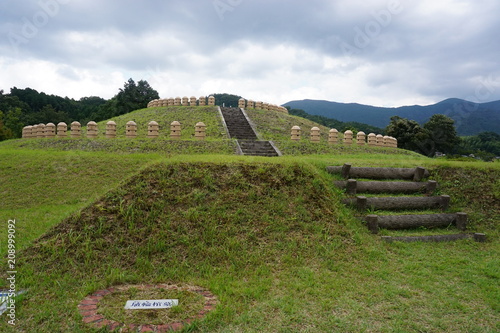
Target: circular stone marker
(95, 308)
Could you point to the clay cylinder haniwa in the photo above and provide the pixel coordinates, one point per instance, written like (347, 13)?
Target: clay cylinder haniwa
(295, 133)
(200, 131)
(62, 130)
(333, 136)
(131, 129)
(92, 130)
(153, 129)
(175, 130)
(76, 129)
(110, 129)
(348, 137)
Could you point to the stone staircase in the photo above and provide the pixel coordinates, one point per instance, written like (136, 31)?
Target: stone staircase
(401, 181)
(239, 128)
(257, 148)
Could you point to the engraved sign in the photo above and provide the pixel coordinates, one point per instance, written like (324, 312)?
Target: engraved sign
(151, 304)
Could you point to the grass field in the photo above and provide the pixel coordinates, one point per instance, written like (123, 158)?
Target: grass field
(268, 236)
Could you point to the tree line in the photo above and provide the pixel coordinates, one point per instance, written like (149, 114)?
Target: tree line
(439, 134)
(22, 107)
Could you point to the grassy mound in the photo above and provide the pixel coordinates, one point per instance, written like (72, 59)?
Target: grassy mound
(217, 141)
(270, 240)
(201, 223)
(126, 146)
(270, 125)
(188, 116)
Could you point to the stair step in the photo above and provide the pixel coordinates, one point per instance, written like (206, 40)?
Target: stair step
(413, 184)
(478, 237)
(394, 203)
(396, 222)
(237, 124)
(348, 171)
(353, 186)
(257, 148)
(239, 128)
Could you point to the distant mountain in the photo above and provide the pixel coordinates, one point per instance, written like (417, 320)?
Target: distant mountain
(470, 118)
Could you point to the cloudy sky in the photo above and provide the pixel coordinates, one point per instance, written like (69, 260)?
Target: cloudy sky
(379, 52)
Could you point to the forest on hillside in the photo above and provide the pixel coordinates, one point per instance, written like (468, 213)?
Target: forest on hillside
(23, 107)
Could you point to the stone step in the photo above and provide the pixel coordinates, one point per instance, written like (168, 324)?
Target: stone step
(237, 124)
(239, 128)
(257, 148)
(263, 155)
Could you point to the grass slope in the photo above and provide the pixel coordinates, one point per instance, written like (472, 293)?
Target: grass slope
(271, 240)
(188, 116)
(217, 141)
(40, 188)
(270, 125)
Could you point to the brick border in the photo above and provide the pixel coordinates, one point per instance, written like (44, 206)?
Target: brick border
(88, 309)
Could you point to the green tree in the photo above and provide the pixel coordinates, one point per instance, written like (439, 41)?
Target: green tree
(484, 142)
(442, 132)
(488, 137)
(130, 98)
(5, 133)
(88, 107)
(410, 135)
(12, 121)
(227, 100)
(134, 96)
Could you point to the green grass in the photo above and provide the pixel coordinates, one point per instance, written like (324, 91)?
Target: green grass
(188, 116)
(129, 146)
(40, 188)
(268, 236)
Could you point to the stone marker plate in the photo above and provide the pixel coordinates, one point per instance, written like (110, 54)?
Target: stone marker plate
(151, 304)
(5, 297)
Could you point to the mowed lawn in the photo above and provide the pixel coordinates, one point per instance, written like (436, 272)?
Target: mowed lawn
(40, 188)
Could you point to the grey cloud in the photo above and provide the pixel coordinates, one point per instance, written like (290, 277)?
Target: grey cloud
(451, 47)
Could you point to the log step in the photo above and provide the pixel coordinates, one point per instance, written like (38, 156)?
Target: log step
(396, 222)
(478, 237)
(347, 171)
(395, 203)
(353, 186)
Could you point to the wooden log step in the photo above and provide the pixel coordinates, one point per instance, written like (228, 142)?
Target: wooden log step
(353, 186)
(416, 221)
(395, 203)
(478, 237)
(347, 171)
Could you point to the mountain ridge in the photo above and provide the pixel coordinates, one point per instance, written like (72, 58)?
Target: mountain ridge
(470, 118)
